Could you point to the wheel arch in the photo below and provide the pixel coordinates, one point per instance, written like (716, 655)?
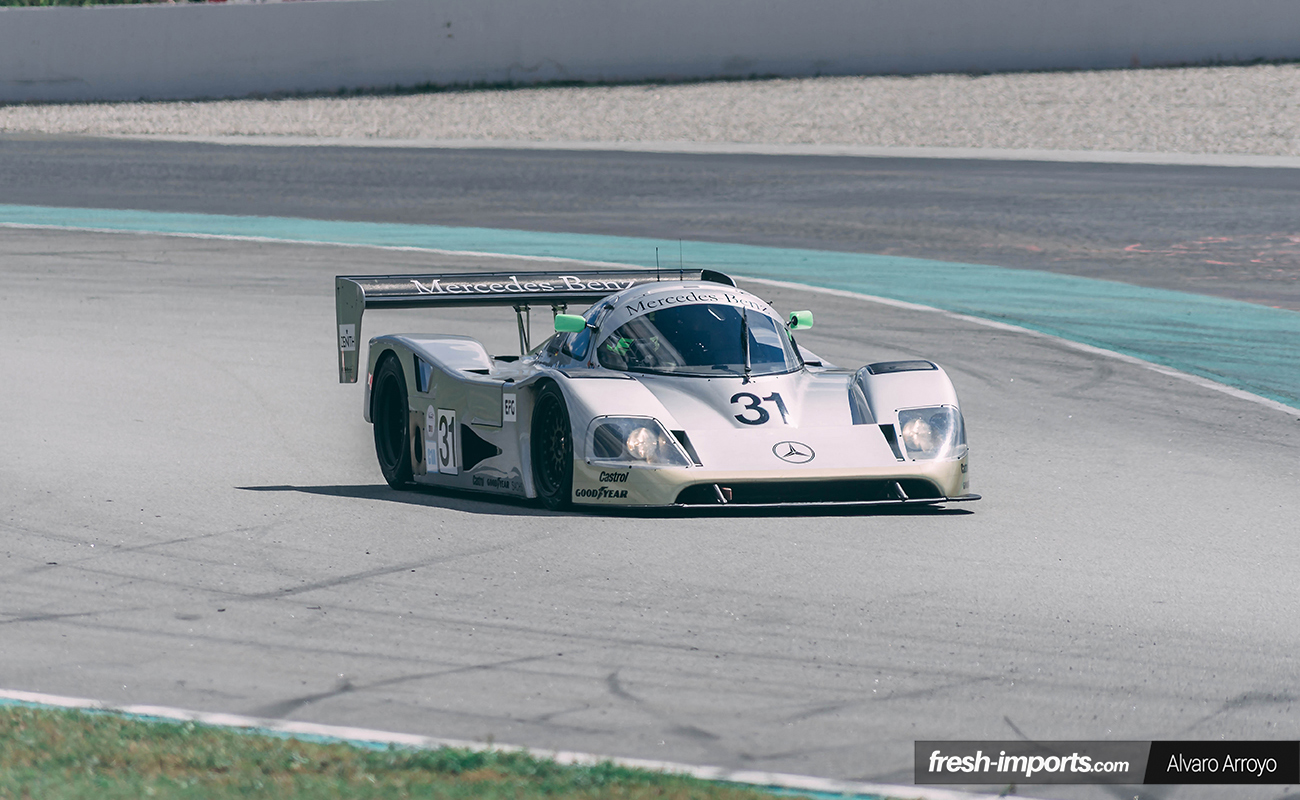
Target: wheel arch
(534, 385)
(384, 354)
(559, 495)
(391, 418)
(886, 392)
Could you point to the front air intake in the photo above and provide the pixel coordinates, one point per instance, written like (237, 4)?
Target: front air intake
(857, 490)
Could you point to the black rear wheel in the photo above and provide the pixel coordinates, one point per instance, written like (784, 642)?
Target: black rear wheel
(552, 448)
(392, 421)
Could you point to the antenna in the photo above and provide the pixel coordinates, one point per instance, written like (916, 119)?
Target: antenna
(681, 265)
(657, 276)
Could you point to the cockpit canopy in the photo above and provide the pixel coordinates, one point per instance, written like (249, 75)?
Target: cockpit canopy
(709, 339)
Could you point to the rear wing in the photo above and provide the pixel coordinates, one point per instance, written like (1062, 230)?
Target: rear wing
(353, 294)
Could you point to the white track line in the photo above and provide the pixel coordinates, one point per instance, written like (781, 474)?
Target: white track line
(234, 237)
(1204, 383)
(371, 737)
(751, 148)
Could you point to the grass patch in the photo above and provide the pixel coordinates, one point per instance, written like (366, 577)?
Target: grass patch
(56, 754)
(84, 2)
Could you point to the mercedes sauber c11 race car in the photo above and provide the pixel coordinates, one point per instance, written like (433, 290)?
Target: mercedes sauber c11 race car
(672, 388)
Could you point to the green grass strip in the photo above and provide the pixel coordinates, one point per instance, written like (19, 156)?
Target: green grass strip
(81, 2)
(85, 2)
(58, 754)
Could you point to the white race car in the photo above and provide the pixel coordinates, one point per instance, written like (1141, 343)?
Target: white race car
(674, 388)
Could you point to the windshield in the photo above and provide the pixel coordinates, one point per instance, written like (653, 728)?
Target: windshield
(702, 339)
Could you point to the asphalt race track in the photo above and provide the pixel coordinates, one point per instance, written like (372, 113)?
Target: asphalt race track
(192, 515)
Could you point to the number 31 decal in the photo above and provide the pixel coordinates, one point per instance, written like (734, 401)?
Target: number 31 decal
(754, 403)
(446, 441)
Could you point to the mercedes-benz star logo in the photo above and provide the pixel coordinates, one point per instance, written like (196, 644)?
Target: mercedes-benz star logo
(794, 452)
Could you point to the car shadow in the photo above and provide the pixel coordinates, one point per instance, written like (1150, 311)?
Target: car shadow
(431, 497)
(477, 503)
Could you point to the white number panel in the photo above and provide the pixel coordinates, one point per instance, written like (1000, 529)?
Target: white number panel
(446, 447)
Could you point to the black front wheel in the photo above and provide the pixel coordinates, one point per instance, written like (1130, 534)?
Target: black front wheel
(392, 421)
(552, 448)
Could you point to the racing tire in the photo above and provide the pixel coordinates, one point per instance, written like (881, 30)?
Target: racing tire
(552, 448)
(392, 419)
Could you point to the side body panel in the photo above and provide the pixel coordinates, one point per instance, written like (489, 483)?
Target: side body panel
(466, 413)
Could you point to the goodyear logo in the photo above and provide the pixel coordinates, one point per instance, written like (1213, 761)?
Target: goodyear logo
(603, 493)
(501, 484)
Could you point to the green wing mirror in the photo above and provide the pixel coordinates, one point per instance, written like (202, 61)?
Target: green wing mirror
(569, 323)
(800, 321)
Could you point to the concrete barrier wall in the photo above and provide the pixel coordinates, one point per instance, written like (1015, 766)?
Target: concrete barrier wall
(220, 50)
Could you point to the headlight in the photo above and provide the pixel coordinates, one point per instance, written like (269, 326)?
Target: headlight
(642, 444)
(937, 432)
(634, 440)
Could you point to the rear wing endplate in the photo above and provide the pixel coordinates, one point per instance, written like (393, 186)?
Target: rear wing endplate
(353, 294)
